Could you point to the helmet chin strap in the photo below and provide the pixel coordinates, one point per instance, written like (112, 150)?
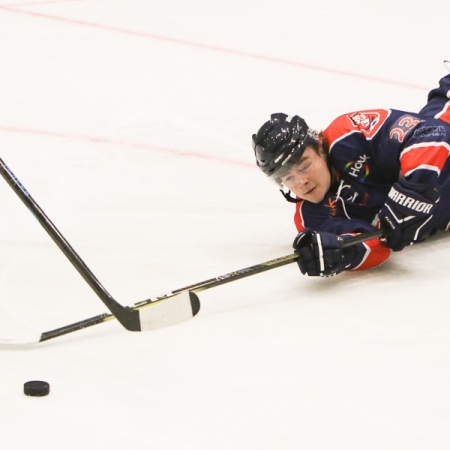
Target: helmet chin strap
(287, 195)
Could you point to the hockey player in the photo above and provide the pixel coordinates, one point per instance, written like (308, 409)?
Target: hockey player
(372, 168)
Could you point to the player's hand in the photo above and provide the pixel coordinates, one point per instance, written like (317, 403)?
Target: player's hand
(321, 253)
(407, 214)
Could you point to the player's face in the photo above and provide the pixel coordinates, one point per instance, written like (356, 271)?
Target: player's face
(310, 179)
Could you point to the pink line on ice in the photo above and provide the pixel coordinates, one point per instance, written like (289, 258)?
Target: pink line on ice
(105, 140)
(173, 40)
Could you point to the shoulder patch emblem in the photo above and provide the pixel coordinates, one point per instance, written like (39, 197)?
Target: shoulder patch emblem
(368, 122)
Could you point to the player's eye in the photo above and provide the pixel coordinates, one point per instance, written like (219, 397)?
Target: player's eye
(304, 168)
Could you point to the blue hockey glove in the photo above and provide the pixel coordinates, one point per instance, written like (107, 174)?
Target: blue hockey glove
(407, 214)
(321, 253)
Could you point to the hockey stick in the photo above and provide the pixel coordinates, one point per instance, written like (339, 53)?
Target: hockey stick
(163, 314)
(192, 289)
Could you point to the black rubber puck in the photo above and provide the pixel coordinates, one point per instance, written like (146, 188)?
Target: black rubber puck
(36, 388)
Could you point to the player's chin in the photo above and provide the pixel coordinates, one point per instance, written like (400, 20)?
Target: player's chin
(316, 195)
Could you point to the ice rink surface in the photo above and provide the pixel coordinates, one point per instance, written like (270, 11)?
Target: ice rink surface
(130, 124)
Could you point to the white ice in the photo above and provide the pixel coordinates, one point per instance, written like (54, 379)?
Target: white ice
(130, 122)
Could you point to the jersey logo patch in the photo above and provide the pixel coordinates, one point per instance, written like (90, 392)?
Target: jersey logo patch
(368, 122)
(358, 169)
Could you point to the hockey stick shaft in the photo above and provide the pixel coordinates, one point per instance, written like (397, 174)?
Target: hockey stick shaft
(208, 284)
(128, 318)
(272, 264)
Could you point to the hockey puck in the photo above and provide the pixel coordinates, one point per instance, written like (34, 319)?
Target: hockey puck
(36, 388)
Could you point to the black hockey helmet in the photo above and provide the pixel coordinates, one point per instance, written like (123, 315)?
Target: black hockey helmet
(280, 143)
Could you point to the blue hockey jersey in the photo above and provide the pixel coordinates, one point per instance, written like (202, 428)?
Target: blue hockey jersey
(369, 151)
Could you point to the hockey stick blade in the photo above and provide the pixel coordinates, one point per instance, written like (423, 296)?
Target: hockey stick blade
(165, 314)
(169, 311)
(192, 290)
(159, 313)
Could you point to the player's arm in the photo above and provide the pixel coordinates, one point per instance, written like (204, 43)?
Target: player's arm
(438, 105)
(410, 206)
